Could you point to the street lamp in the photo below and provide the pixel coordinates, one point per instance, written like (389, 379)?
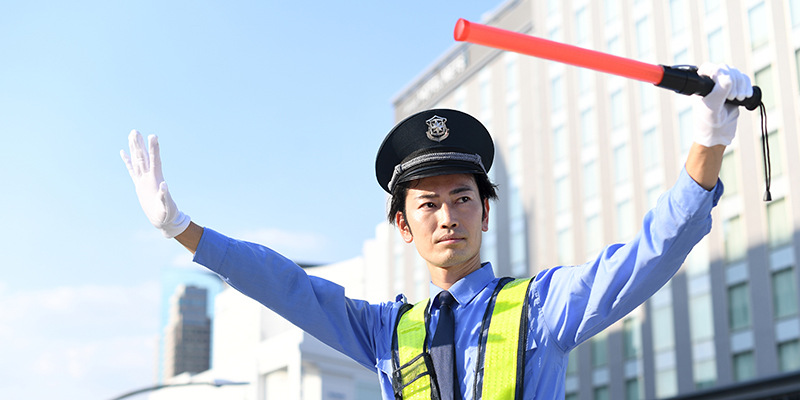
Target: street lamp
(215, 382)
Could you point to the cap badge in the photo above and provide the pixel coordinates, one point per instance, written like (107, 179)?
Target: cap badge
(437, 130)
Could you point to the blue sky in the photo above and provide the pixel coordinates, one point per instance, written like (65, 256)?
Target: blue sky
(269, 115)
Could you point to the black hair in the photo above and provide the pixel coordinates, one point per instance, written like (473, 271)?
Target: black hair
(397, 203)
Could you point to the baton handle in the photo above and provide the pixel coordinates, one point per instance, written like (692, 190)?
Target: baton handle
(684, 80)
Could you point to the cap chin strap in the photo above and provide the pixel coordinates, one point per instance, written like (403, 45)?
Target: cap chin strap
(433, 157)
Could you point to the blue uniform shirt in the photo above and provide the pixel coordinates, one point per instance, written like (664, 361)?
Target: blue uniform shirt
(568, 305)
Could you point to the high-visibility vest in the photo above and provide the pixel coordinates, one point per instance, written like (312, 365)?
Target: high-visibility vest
(500, 366)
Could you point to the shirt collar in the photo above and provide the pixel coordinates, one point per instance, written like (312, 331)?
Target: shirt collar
(467, 287)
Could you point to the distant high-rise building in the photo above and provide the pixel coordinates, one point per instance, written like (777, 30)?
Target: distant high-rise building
(187, 337)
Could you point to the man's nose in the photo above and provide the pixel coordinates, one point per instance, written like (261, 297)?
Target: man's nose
(447, 218)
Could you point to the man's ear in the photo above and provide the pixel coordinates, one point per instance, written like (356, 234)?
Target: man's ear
(402, 226)
(485, 222)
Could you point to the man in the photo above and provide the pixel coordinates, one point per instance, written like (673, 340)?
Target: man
(434, 164)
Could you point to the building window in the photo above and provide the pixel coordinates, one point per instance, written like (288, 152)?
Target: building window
(739, 306)
(582, 27)
(764, 81)
(565, 248)
(600, 350)
(594, 235)
(789, 356)
(648, 97)
(601, 393)
(571, 396)
(727, 173)
(794, 6)
(552, 6)
(735, 244)
(617, 110)
(632, 338)
(705, 374)
(611, 10)
(779, 225)
(681, 57)
(587, 126)
(563, 194)
(632, 391)
(757, 16)
(572, 363)
(666, 383)
(643, 37)
(775, 154)
(621, 164)
(701, 316)
(584, 80)
(590, 180)
(512, 74)
(560, 150)
(557, 95)
(716, 46)
(663, 329)
(677, 16)
(743, 366)
(686, 128)
(625, 220)
(650, 149)
(784, 293)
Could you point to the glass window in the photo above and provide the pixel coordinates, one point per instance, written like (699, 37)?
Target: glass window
(512, 75)
(653, 194)
(650, 149)
(601, 393)
(643, 37)
(794, 5)
(648, 96)
(686, 127)
(560, 150)
(582, 27)
(617, 110)
(780, 228)
(757, 16)
(571, 396)
(584, 80)
(572, 363)
(632, 337)
(701, 315)
(727, 173)
(587, 126)
(552, 6)
(486, 96)
(555, 34)
(789, 356)
(705, 374)
(632, 391)
(716, 46)
(677, 16)
(784, 293)
(594, 235)
(735, 243)
(739, 306)
(621, 164)
(764, 81)
(625, 220)
(666, 383)
(743, 366)
(563, 194)
(565, 249)
(775, 154)
(557, 100)
(797, 63)
(600, 350)
(611, 10)
(711, 6)
(590, 180)
(663, 329)
(614, 47)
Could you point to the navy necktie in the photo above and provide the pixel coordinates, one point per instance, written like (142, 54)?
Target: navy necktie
(443, 349)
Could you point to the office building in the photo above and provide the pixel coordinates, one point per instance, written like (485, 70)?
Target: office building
(187, 337)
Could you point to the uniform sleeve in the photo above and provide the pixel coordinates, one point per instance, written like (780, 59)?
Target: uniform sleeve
(317, 306)
(578, 302)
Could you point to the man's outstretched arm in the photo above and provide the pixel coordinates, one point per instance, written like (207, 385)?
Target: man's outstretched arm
(190, 238)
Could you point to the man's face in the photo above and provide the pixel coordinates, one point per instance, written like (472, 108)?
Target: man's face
(444, 218)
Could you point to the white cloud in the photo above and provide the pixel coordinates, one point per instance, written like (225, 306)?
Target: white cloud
(86, 341)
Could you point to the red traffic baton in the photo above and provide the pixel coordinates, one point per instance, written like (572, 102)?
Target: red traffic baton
(681, 79)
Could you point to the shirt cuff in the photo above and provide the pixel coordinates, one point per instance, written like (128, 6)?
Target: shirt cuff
(211, 250)
(693, 198)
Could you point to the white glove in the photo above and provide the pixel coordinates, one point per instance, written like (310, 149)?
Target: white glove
(715, 121)
(145, 170)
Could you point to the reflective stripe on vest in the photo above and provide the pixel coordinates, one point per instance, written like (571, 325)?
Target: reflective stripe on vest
(499, 369)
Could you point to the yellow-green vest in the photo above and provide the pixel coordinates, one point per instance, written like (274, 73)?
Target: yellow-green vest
(501, 348)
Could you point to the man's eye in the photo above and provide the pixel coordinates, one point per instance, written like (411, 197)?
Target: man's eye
(464, 199)
(429, 205)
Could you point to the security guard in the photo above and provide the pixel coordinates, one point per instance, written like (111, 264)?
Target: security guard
(478, 336)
